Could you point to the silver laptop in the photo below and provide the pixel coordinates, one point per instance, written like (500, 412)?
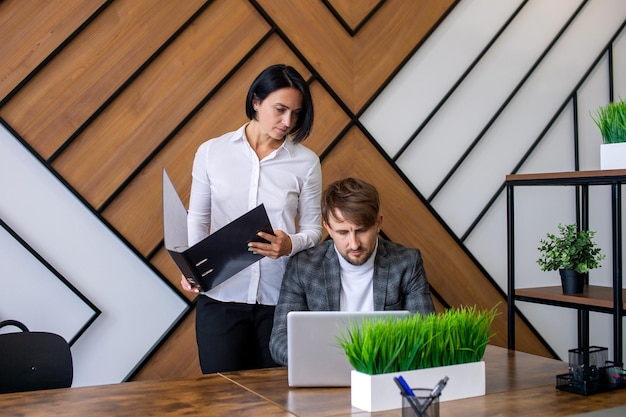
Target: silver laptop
(315, 358)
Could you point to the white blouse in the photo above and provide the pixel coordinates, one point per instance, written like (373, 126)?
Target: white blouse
(228, 180)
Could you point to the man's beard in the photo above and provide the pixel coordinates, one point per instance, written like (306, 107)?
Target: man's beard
(357, 262)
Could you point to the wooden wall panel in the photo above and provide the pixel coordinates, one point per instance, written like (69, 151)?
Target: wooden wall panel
(31, 30)
(49, 109)
(320, 38)
(354, 12)
(330, 120)
(177, 81)
(147, 81)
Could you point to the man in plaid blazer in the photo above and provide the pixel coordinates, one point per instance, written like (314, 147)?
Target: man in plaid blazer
(355, 270)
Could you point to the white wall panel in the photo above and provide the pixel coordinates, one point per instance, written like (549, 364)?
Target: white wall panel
(593, 93)
(619, 63)
(426, 78)
(32, 294)
(137, 307)
(434, 70)
(528, 114)
(474, 103)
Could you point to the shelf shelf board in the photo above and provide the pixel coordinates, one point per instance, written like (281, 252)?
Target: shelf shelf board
(592, 296)
(599, 177)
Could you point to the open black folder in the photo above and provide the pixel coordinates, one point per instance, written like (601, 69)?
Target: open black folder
(220, 255)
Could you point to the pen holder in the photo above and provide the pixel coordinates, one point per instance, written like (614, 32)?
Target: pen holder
(416, 406)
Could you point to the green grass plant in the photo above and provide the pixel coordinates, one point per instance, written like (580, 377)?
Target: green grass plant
(611, 120)
(456, 336)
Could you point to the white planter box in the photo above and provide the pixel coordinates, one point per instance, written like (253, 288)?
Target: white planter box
(380, 392)
(613, 156)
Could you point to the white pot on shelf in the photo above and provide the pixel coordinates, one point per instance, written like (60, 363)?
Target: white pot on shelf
(380, 392)
(613, 156)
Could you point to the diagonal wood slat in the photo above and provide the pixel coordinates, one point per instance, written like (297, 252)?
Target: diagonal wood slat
(32, 30)
(49, 109)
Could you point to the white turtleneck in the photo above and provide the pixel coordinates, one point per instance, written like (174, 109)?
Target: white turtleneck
(357, 290)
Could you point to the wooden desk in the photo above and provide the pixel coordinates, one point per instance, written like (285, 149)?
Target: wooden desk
(506, 371)
(517, 384)
(202, 396)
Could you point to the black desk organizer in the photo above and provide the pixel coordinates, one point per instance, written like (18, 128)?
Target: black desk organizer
(591, 373)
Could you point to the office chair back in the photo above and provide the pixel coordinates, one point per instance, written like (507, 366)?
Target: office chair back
(33, 360)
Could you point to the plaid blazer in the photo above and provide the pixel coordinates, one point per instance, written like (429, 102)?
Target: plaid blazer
(312, 282)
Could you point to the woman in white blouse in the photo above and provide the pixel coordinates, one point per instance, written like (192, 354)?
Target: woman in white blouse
(261, 162)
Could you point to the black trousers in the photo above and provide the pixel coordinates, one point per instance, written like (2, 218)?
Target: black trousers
(233, 336)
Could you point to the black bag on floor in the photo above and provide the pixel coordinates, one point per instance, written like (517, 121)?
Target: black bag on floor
(33, 360)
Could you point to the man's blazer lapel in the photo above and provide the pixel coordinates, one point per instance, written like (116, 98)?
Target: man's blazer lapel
(331, 271)
(381, 276)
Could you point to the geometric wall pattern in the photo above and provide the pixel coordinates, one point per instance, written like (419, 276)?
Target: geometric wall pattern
(64, 271)
(105, 94)
(78, 313)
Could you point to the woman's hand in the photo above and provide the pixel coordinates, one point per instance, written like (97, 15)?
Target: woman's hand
(187, 285)
(279, 245)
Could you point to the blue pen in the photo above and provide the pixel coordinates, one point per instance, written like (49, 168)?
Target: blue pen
(405, 387)
(399, 384)
(406, 390)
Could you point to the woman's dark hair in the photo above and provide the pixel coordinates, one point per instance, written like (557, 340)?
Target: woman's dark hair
(282, 76)
(357, 200)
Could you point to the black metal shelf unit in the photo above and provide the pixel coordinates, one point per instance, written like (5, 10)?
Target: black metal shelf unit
(582, 180)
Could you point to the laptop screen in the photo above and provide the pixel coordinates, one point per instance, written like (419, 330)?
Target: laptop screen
(315, 358)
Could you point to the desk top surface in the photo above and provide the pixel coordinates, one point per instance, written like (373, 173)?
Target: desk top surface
(517, 383)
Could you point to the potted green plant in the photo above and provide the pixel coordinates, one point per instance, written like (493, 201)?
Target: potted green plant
(423, 349)
(573, 253)
(611, 120)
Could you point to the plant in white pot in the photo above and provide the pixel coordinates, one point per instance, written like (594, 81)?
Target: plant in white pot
(611, 120)
(423, 349)
(573, 253)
